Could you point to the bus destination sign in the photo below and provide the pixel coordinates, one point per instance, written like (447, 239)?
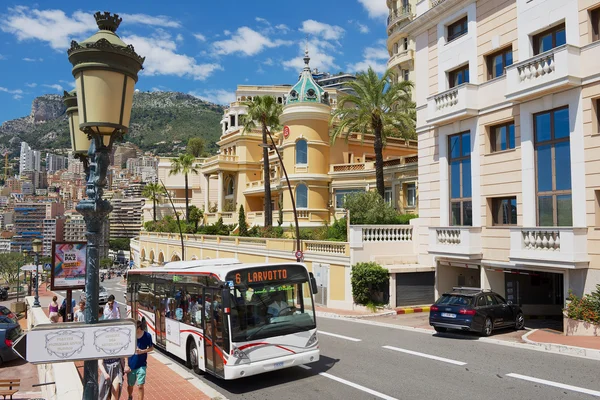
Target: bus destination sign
(276, 273)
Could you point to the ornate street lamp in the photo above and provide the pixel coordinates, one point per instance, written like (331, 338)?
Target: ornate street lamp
(105, 71)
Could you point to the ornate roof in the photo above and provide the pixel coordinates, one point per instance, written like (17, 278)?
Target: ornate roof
(307, 90)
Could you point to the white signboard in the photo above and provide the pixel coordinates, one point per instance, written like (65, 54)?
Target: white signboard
(49, 343)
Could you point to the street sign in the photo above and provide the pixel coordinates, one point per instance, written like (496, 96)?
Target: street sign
(47, 267)
(75, 341)
(286, 132)
(299, 255)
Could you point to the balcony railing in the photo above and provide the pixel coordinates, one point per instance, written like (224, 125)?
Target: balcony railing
(370, 165)
(550, 71)
(401, 57)
(549, 246)
(457, 241)
(458, 102)
(398, 15)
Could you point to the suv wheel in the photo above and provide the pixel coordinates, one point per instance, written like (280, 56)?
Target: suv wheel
(488, 327)
(520, 322)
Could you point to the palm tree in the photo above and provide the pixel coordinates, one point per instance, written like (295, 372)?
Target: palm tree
(184, 164)
(155, 192)
(381, 106)
(265, 111)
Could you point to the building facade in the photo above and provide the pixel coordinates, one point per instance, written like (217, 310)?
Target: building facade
(126, 217)
(30, 222)
(507, 97)
(29, 159)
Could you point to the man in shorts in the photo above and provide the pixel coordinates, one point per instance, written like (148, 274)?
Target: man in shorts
(136, 364)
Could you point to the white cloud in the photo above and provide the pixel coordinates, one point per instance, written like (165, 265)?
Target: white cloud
(156, 21)
(362, 28)
(227, 32)
(247, 42)
(15, 91)
(326, 31)
(55, 86)
(268, 61)
(17, 97)
(51, 26)
(31, 85)
(375, 8)
(162, 58)
(216, 96)
(374, 57)
(283, 28)
(200, 37)
(264, 21)
(320, 56)
(32, 59)
(179, 37)
(71, 84)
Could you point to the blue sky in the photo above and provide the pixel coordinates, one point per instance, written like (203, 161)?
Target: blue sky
(205, 48)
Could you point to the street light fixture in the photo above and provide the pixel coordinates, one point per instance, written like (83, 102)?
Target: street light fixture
(105, 71)
(36, 246)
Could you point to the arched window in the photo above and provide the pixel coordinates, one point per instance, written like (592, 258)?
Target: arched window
(301, 152)
(301, 196)
(229, 188)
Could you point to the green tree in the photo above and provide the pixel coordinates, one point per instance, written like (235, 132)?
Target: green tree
(195, 146)
(369, 281)
(369, 208)
(264, 111)
(184, 164)
(10, 264)
(106, 263)
(242, 222)
(155, 192)
(196, 215)
(379, 106)
(119, 244)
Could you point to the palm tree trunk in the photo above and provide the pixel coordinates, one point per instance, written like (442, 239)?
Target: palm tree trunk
(267, 179)
(154, 205)
(187, 200)
(378, 147)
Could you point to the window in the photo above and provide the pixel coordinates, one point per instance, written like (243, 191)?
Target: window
(459, 158)
(340, 196)
(395, 48)
(230, 187)
(301, 196)
(549, 39)
(502, 137)
(387, 196)
(553, 168)
(301, 152)
(405, 74)
(597, 207)
(504, 211)
(458, 76)
(458, 28)
(405, 43)
(497, 62)
(411, 194)
(595, 20)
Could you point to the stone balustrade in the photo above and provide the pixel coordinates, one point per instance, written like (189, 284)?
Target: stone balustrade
(448, 236)
(456, 241)
(386, 233)
(544, 240)
(549, 246)
(538, 66)
(446, 99)
(324, 247)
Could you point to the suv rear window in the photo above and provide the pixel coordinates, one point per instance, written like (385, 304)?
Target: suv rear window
(14, 333)
(454, 300)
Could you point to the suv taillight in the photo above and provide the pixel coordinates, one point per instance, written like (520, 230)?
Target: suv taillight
(8, 342)
(433, 308)
(466, 312)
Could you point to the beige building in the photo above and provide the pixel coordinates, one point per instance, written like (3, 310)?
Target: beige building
(507, 119)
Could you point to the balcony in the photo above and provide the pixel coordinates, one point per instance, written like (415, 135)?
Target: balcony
(554, 70)
(258, 187)
(399, 15)
(458, 102)
(462, 242)
(370, 165)
(227, 162)
(400, 58)
(549, 247)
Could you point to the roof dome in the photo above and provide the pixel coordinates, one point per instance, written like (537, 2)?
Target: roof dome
(307, 90)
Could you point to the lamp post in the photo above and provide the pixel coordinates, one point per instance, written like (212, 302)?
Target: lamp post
(36, 246)
(105, 71)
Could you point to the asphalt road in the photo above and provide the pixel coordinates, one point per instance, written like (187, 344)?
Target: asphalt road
(367, 361)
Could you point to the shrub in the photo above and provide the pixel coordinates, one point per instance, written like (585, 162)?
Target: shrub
(369, 208)
(369, 280)
(404, 219)
(586, 308)
(338, 231)
(242, 222)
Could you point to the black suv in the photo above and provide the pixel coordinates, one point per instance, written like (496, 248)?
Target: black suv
(474, 309)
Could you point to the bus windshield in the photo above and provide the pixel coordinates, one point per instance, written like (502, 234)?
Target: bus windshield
(262, 309)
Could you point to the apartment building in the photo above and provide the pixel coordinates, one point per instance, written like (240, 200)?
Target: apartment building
(401, 46)
(53, 231)
(74, 228)
(126, 217)
(34, 220)
(5, 240)
(508, 98)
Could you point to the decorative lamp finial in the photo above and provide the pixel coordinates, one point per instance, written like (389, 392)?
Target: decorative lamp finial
(107, 22)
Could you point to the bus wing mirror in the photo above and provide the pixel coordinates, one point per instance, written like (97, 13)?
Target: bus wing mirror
(313, 283)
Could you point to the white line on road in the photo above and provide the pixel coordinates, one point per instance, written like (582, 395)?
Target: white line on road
(416, 353)
(352, 384)
(340, 336)
(555, 384)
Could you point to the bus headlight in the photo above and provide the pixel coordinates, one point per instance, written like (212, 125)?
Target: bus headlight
(237, 353)
(312, 341)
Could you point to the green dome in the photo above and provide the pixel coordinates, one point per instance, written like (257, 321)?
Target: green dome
(307, 90)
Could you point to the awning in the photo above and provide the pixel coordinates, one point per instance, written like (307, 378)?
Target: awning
(512, 271)
(459, 264)
(407, 268)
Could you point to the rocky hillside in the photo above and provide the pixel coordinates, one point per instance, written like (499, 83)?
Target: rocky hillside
(161, 122)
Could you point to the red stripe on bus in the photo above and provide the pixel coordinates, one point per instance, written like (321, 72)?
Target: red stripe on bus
(217, 349)
(147, 323)
(265, 344)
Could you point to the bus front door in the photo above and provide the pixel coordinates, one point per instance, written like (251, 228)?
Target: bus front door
(213, 332)
(159, 319)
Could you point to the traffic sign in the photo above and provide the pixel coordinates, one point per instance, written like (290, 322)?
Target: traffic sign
(299, 255)
(47, 267)
(77, 341)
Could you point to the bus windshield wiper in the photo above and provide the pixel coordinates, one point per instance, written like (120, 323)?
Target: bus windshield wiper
(261, 328)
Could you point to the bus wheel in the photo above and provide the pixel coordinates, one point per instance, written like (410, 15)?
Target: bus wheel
(193, 358)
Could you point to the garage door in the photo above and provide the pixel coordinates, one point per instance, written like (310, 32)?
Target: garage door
(415, 288)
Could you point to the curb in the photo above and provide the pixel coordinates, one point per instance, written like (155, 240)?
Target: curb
(410, 310)
(563, 348)
(334, 315)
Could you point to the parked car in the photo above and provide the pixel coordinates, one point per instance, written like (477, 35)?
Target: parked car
(9, 333)
(474, 309)
(7, 316)
(102, 295)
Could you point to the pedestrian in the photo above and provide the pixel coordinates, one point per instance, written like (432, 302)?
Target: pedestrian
(136, 364)
(80, 314)
(53, 310)
(111, 311)
(100, 313)
(111, 378)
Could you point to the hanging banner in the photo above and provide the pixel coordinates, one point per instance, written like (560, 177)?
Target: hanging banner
(68, 265)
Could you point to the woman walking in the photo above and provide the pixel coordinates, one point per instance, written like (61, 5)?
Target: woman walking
(53, 310)
(111, 378)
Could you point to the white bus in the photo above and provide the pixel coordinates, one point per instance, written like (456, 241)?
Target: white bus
(227, 318)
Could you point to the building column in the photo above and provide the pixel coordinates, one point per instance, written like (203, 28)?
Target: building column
(220, 190)
(206, 192)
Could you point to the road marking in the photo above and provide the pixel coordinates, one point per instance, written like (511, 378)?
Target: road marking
(555, 384)
(416, 353)
(352, 384)
(339, 336)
